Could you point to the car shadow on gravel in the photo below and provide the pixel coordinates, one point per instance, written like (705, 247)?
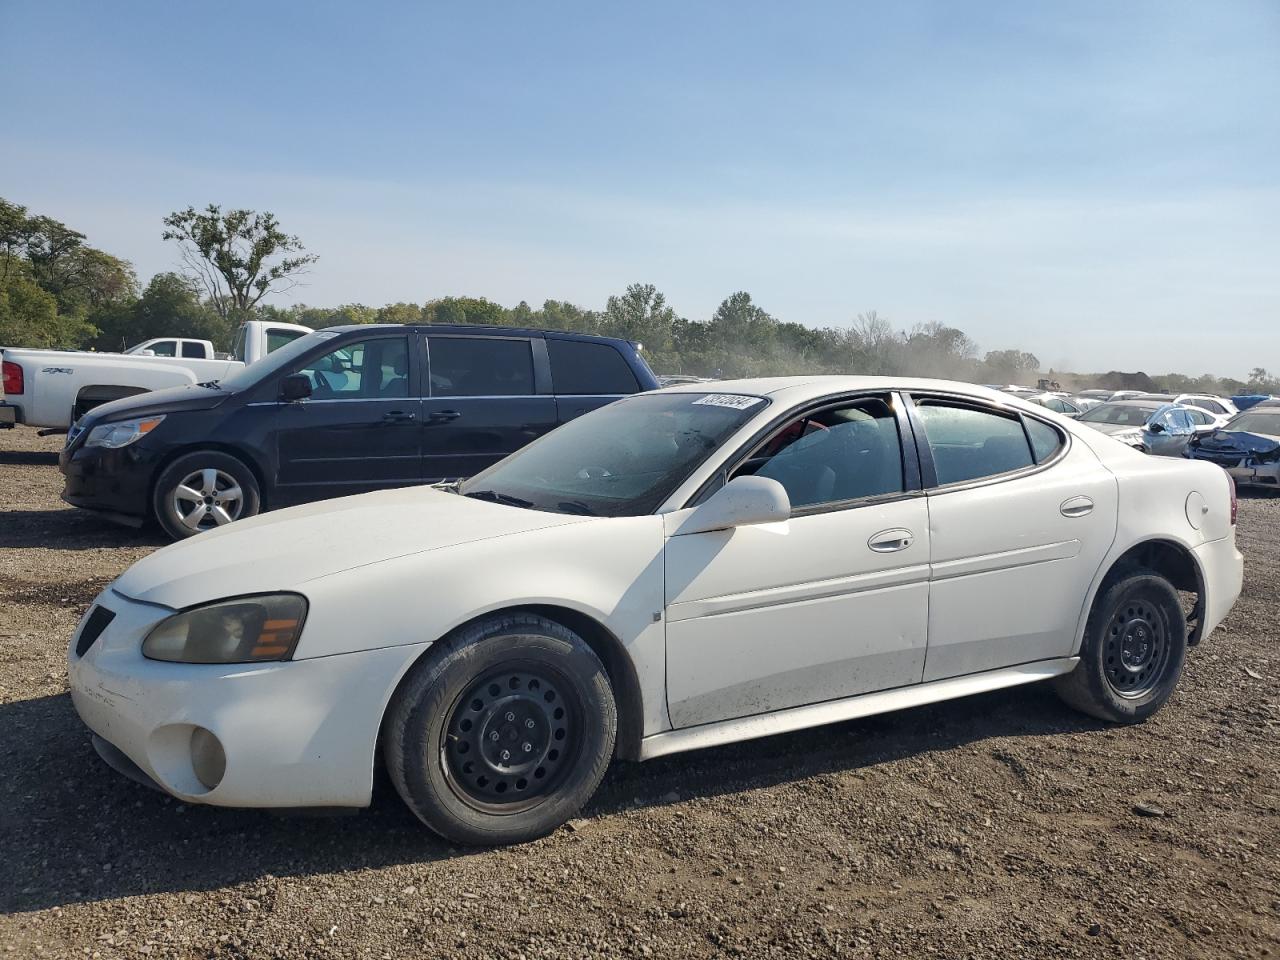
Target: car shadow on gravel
(28, 458)
(70, 529)
(74, 831)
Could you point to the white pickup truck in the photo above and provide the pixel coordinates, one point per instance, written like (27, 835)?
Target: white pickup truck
(53, 388)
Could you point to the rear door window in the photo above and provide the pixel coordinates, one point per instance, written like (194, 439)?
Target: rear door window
(1045, 441)
(480, 367)
(195, 350)
(968, 443)
(589, 369)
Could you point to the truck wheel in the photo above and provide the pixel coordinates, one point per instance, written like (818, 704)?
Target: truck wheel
(203, 490)
(1135, 645)
(503, 732)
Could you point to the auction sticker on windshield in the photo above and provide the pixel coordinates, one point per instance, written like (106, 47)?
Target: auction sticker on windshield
(732, 400)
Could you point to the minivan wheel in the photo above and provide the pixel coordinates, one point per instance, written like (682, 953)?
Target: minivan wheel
(204, 490)
(1134, 648)
(502, 732)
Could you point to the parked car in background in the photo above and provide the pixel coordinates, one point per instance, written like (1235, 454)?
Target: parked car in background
(1125, 394)
(1096, 394)
(1247, 447)
(55, 388)
(1151, 426)
(680, 569)
(1086, 403)
(1218, 406)
(342, 410)
(1247, 400)
(1057, 403)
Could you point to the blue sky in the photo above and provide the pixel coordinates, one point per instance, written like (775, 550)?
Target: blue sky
(1094, 182)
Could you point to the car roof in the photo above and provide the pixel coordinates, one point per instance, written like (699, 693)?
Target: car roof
(801, 388)
(1142, 403)
(475, 329)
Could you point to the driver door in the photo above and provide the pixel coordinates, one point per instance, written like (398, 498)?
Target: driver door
(361, 428)
(831, 603)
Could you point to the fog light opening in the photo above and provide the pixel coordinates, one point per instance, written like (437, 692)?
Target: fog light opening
(208, 759)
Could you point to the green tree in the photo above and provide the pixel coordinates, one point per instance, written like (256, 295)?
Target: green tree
(169, 306)
(29, 317)
(475, 310)
(237, 257)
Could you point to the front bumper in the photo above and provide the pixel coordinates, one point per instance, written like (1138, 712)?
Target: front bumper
(112, 481)
(299, 733)
(1245, 468)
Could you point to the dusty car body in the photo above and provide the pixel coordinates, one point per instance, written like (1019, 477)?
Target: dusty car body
(680, 569)
(1152, 426)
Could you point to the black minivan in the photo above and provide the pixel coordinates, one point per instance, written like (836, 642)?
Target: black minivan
(342, 410)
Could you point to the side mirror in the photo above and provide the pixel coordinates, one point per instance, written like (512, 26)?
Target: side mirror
(740, 502)
(145, 353)
(1156, 427)
(295, 387)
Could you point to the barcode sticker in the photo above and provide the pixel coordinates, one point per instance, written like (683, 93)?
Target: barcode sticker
(733, 401)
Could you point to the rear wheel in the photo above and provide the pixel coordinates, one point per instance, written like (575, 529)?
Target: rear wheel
(503, 733)
(204, 490)
(1134, 649)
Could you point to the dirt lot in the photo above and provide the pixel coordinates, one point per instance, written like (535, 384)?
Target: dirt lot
(998, 826)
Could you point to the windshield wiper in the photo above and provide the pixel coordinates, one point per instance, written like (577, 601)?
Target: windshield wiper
(576, 507)
(497, 497)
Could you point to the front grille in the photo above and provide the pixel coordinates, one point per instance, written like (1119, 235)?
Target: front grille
(98, 620)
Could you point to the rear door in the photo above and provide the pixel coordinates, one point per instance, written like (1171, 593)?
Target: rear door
(360, 429)
(487, 397)
(1020, 519)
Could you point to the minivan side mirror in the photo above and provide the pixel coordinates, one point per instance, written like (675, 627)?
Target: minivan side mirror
(295, 387)
(740, 502)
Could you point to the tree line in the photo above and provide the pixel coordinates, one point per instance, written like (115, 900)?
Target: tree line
(57, 291)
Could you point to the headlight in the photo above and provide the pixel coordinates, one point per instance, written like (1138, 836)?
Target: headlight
(121, 433)
(244, 630)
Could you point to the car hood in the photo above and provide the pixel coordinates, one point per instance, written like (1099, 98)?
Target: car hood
(1239, 441)
(170, 400)
(1112, 428)
(285, 549)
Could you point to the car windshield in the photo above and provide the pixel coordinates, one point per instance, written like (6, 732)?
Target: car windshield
(1267, 424)
(1126, 414)
(277, 360)
(622, 460)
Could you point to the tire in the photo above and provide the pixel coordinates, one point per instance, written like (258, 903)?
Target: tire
(506, 687)
(1135, 646)
(229, 491)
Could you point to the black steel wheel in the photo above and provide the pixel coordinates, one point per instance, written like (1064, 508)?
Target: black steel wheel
(502, 731)
(511, 737)
(1136, 649)
(1135, 645)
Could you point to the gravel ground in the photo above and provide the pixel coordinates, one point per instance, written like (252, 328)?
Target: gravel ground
(1003, 825)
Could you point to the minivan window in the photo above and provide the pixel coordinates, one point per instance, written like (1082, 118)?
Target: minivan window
(968, 444)
(365, 369)
(584, 368)
(480, 367)
(255, 373)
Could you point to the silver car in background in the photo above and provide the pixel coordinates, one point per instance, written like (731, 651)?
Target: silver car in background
(1163, 429)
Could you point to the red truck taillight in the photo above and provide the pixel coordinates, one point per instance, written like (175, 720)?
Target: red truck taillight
(12, 378)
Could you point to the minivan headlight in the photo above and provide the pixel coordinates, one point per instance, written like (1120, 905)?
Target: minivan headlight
(122, 432)
(243, 630)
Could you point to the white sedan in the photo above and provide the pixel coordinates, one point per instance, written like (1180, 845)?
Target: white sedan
(683, 568)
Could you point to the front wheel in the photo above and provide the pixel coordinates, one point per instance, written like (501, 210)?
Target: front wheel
(1134, 648)
(502, 733)
(204, 490)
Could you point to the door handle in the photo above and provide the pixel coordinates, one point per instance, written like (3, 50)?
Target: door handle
(443, 416)
(1077, 507)
(891, 541)
(398, 416)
